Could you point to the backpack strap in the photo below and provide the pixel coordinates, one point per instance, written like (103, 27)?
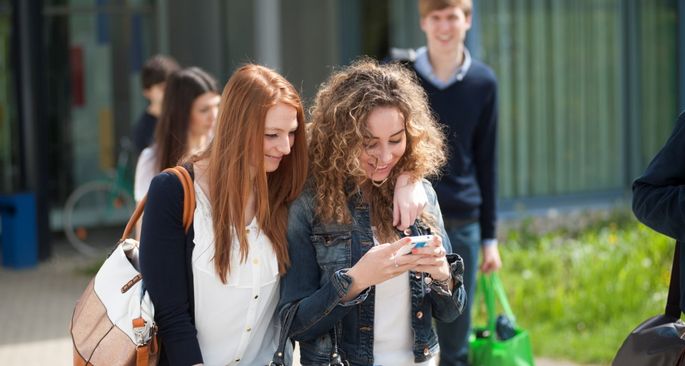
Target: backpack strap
(188, 201)
(188, 194)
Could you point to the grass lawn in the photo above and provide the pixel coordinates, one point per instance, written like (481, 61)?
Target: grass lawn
(579, 292)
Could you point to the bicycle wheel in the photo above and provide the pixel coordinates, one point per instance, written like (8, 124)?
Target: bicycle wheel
(95, 205)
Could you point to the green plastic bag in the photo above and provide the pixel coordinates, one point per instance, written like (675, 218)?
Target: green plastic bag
(485, 349)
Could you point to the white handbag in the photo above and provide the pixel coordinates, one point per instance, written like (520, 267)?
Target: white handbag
(113, 321)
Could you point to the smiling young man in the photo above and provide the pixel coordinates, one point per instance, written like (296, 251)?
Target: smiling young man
(463, 93)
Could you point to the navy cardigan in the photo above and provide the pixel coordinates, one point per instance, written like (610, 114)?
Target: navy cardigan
(468, 111)
(165, 261)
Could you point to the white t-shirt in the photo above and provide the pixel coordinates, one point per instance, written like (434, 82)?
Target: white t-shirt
(146, 169)
(235, 322)
(393, 337)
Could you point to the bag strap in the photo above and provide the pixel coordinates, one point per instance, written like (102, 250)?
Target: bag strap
(502, 296)
(492, 290)
(336, 358)
(279, 356)
(673, 301)
(188, 201)
(489, 299)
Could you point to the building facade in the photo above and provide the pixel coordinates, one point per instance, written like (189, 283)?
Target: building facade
(589, 89)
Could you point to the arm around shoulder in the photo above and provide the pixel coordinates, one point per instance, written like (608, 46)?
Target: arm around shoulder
(446, 307)
(433, 208)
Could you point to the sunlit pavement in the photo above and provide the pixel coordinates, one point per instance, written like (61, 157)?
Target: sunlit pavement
(35, 308)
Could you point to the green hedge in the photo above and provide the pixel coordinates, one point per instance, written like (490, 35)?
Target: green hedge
(580, 292)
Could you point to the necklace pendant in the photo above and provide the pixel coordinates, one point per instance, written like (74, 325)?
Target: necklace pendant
(379, 184)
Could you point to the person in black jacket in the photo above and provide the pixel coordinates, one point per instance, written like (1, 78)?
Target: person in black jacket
(659, 194)
(153, 79)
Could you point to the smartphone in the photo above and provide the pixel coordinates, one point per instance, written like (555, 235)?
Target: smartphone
(420, 241)
(416, 242)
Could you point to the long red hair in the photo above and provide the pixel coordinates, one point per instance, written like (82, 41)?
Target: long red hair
(236, 164)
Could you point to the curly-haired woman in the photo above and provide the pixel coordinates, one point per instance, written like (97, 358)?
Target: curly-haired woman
(350, 290)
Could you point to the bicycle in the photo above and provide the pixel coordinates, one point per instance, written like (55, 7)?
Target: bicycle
(99, 203)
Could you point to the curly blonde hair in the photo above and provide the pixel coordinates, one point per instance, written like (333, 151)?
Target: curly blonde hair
(338, 128)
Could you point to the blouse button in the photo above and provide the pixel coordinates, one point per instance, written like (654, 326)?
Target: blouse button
(249, 329)
(255, 261)
(256, 296)
(419, 314)
(247, 231)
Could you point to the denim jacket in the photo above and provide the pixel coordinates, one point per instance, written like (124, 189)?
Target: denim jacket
(316, 281)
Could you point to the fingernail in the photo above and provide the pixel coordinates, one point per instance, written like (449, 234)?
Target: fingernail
(414, 251)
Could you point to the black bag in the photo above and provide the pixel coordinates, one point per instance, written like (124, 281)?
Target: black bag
(336, 357)
(659, 339)
(279, 358)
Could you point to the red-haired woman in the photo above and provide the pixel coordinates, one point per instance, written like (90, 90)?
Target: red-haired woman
(215, 288)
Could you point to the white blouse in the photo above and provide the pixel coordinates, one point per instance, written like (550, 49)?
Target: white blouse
(393, 337)
(145, 171)
(235, 322)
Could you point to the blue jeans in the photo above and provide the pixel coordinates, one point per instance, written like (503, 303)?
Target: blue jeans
(454, 336)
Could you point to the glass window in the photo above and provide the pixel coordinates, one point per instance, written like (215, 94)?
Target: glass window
(95, 51)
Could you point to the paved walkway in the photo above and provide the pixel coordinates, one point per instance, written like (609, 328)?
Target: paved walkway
(36, 305)
(35, 309)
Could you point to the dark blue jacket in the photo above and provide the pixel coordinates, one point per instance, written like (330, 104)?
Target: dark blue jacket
(320, 256)
(144, 132)
(659, 194)
(468, 110)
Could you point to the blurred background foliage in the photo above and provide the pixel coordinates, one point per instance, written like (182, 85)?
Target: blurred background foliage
(581, 287)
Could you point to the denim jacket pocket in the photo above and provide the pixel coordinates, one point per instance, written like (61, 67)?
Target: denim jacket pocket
(333, 249)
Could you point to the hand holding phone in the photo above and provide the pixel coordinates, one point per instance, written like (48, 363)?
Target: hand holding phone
(416, 242)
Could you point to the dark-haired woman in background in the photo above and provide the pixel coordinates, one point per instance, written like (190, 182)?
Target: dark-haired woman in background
(189, 111)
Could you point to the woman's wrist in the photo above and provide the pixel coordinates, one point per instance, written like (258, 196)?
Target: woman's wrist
(355, 287)
(442, 287)
(445, 281)
(442, 278)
